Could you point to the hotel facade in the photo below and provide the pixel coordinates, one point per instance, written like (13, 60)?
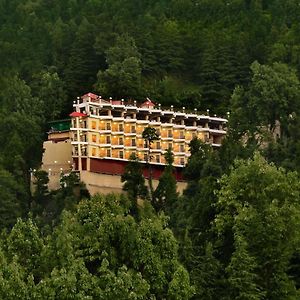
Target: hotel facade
(104, 133)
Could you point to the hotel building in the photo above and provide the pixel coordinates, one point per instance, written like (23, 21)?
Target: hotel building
(104, 133)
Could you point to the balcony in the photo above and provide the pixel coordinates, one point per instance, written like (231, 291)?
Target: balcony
(104, 145)
(117, 146)
(179, 126)
(218, 131)
(104, 131)
(179, 153)
(142, 121)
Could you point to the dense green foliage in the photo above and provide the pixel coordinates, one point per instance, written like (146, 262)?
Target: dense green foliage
(97, 252)
(236, 227)
(183, 52)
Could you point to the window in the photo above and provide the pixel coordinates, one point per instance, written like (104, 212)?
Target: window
(121, 154)
(121, 127)
(181, 135)
(133, 143)
(108, 127)
(145, 157)
(133, 129)
(157, 158)
(170, 146)
(157, 145)
(120, 141)
(141, 144)
(170, 134)
(181, 148)
(158, 132)
(182, 160)
(108, 139)
(108, 153)
(94, 138)
(93, 151)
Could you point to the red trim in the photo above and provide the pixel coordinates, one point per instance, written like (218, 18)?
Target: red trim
(77, 114)
(117, 167)
(107, 166)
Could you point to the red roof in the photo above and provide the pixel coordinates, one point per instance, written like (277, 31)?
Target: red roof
(77, 114)
(93, 96)
(147, 103)
(116, 102)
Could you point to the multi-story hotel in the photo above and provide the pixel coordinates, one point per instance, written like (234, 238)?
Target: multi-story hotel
(104, 133)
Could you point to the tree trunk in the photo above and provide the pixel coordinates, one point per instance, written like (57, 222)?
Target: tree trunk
(150, 182)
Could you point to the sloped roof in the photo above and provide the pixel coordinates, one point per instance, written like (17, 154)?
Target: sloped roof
(77, 114)
(93, 96)
(147, 103)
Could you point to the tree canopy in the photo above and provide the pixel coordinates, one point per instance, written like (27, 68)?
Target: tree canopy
(234, 232)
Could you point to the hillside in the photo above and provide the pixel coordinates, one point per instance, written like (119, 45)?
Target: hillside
(235, 231)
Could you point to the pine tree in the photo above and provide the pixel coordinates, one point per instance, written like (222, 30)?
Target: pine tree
(134, 183)
(40, 197)
(242, 279)
(165, 194)
(122, 78)
(81, 70)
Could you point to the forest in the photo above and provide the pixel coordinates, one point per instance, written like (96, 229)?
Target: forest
(234, 233)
